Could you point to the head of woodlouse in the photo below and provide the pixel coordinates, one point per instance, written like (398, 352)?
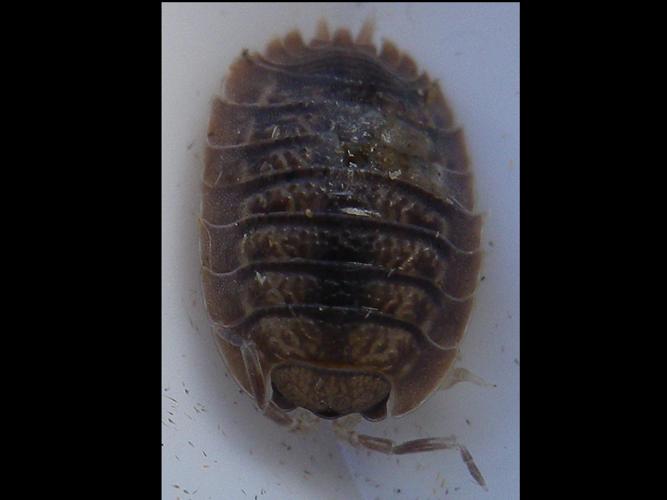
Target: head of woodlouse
(338, 241)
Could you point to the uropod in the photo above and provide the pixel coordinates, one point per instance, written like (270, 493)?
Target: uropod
(340, 249)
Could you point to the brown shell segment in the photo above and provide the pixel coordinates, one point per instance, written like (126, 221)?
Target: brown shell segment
(330, 392)
(337, 228)
(393, 248)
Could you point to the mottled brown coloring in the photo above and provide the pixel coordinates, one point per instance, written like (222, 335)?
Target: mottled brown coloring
(339, 243)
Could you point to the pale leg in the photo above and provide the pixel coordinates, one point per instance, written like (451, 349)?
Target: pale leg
(345, 431)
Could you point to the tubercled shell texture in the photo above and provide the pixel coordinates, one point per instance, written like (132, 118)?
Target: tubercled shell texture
(338, 235)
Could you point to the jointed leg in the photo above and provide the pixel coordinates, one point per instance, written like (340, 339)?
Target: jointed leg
(388, 447)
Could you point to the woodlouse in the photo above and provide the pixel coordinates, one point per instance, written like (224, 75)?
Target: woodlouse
(339, 248)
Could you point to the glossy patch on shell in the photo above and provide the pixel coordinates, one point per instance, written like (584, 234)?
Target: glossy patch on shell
(337, 231)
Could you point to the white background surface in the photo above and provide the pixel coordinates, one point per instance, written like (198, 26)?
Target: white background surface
(215, 444)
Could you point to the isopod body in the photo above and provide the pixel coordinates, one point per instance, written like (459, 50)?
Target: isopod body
(338, 242)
